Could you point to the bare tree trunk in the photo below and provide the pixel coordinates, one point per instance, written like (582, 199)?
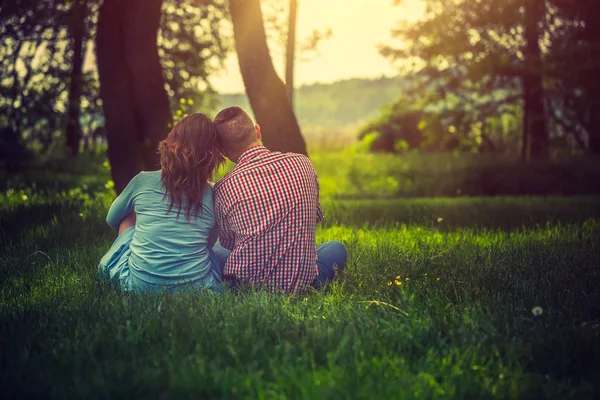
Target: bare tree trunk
(73, 131)
(116, 94)
(140, 27)
(136, 106)
(532, 82)
(291, 50)
(265, 90)
(594, 134)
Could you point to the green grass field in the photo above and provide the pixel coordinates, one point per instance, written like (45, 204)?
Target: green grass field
(437, 302)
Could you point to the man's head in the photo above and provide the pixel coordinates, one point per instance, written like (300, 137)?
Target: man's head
(236, 132)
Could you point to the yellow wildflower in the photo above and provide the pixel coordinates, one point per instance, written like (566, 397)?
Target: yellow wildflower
(537, 311)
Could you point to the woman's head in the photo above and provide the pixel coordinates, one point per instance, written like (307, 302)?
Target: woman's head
(188, 158)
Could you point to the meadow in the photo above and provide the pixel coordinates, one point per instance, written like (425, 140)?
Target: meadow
(443, 297)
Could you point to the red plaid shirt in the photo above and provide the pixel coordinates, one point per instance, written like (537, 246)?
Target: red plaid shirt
(267, 208)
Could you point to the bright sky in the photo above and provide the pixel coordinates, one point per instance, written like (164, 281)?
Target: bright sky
(358, 26)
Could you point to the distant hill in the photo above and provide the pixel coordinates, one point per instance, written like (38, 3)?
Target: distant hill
(340, 104)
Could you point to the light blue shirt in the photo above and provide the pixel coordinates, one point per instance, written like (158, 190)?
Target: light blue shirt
(166, 250)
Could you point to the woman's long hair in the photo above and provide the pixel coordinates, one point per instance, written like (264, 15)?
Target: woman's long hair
(188, 158)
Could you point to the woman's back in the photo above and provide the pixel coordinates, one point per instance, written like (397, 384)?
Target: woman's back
(166, 249)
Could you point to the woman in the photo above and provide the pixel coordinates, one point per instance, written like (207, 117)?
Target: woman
(166, 219)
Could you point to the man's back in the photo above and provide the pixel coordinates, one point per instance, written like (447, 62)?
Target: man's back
(267, 209)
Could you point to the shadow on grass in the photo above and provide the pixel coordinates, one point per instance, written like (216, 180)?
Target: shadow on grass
(25, 217)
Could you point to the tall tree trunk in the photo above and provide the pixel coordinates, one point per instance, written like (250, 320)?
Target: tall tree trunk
(290, 53)
(594, 133)
(117, 96)
(73, 131)
(532, 82)
(136, 106)
(140, 26)
(265, 90)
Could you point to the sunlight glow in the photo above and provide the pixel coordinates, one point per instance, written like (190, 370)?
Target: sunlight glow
(358, 27)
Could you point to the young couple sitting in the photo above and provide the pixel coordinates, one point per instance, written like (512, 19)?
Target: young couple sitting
(264, 213)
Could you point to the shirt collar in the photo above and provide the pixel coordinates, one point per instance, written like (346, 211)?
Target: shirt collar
(252, 152)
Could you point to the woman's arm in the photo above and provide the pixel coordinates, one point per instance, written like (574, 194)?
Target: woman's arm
(212, 236)
(122, 206)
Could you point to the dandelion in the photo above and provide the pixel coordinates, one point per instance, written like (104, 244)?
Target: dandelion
(398, 282)
(390, 283)
(440, 219)
(24, 197)
(437, 279)
(537, 311)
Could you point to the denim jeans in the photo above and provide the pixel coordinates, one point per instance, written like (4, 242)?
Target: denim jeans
(331, 256)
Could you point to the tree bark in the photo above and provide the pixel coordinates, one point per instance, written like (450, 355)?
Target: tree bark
(73, 131)
(265, 90)
(532, 83)
(291, 52)
(117, 96)
(136, 106)
(594, 133)
(140, 26)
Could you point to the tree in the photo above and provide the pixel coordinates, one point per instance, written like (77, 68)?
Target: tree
(136, 106)
(265, 90)
(535, 144)
(192, 45)
(291, 51)
(49, 97)
(483, 47)
(281, 33)
(131, 43)
(77, 32)
(574, 55)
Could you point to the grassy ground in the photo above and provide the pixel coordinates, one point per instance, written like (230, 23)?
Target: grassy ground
(436, 302)
(354, 174)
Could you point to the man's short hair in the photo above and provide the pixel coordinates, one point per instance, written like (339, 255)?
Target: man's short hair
(235, 129)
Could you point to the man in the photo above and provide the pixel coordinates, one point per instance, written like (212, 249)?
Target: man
(267, 208)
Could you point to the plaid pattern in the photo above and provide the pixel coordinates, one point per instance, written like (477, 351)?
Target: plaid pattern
(267, 208)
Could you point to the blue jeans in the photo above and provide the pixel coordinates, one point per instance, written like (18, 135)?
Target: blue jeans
(331, 256)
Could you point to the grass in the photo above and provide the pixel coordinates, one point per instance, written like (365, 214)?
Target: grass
(355, 174)
(436, 302)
